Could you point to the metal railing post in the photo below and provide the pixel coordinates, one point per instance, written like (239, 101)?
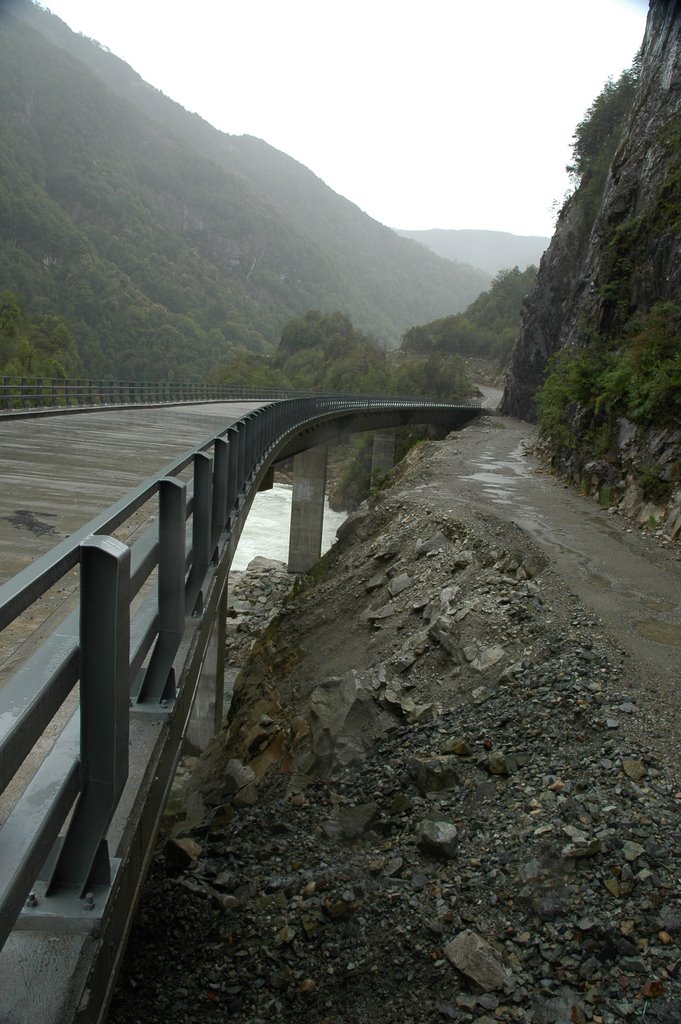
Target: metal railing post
(201, 530)
(249, 457)
(241, 475)
(220, 473)
(159, 679)
(232, 474)
(83, 859)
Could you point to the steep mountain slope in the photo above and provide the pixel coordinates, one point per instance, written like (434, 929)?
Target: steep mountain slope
(607, 297)
(166, 243)
(491, 250)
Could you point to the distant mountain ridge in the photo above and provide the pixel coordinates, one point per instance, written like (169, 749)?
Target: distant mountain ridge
(165, 243)
(490, 250)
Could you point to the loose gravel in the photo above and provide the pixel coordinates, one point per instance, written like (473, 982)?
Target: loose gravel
(431, 802)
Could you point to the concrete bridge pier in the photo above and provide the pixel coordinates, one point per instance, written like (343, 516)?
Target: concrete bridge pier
(383, 455)
(307, 509)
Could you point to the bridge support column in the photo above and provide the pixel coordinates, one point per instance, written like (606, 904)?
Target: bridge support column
(307, 509)
(383, 455)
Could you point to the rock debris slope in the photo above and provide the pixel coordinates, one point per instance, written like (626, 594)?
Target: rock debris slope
(427, 804)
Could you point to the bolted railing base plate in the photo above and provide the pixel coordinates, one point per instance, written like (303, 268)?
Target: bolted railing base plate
(67, 911)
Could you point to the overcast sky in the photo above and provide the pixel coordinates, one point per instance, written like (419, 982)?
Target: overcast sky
(426, 113)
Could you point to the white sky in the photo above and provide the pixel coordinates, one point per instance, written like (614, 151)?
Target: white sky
(425, 113)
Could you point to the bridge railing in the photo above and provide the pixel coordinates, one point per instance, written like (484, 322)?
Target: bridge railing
(22, 393)
(135, 644)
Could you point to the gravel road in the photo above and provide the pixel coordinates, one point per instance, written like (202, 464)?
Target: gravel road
(626, 577)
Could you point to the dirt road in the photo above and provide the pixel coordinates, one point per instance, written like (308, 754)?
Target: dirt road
(630, 582)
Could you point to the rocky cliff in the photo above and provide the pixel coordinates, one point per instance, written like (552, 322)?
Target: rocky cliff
(601, 286)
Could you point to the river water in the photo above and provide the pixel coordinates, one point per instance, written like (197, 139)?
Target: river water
(267, 528)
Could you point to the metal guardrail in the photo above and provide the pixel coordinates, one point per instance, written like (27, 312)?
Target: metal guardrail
(136, 645)
(21, 394)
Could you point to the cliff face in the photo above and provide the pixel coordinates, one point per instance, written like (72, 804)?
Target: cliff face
(544, 312)
(591, 283)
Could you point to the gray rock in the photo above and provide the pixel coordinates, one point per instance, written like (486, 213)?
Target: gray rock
(376, 614)
(434, 543)
(436, 774)
(634, 769)
(182, 852)
(487, 657)
(353, 524)
(416, 713)
(564, 1008)
(344, 721)
(582, 848)
(462, 559)
(445, 632)
(376, 581)
(404, 662)
(438, 837)
(238, 782)
(458, 747)
(399, 584)
(475, 958)
(497, 763)
(355, 821)
(632, 850)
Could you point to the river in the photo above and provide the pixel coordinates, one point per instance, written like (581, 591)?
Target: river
(267, 528)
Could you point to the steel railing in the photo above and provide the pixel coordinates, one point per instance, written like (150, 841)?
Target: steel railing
(135, 644)
(21, 394)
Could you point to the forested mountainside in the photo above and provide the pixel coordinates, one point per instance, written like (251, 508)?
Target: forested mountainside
(599, 352)
(488, 328)
(491, 250)
(165, 244)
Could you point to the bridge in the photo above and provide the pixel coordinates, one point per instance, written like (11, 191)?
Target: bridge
(98, 701)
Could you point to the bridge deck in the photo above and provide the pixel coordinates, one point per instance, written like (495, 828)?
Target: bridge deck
(58, 472)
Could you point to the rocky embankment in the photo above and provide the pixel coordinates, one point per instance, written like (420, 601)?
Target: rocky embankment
(429, 803)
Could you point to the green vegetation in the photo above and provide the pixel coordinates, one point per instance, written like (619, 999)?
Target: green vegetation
(325, 351)
(164, 244)
(36, 346)
(488, 328)
(639, 378)
(596, 138)
(632, 366)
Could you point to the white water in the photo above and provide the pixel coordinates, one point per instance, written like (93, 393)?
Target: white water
(267, 528)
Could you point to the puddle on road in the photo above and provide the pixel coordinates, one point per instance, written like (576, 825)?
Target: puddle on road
(491, 478)
(502, 492)
(657, 604)
(662, 632)
(599, 582)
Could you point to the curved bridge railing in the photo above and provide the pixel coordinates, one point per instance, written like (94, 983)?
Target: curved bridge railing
(51, 394)
(23, 393)
(148, 620)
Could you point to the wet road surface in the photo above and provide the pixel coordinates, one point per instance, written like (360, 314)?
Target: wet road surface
(58, 472)
(628, 580)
